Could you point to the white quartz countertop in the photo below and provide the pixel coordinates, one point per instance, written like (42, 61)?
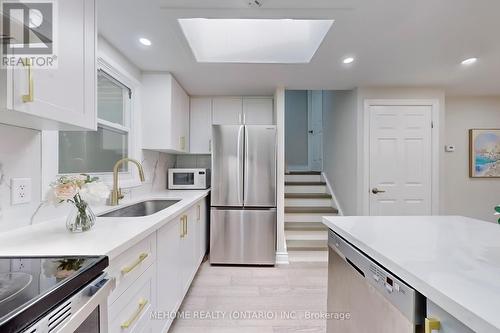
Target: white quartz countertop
(453, 261)
(110, 236)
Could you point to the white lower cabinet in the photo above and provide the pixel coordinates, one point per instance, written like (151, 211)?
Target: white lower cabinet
(131, 312)
(154, 275)
(441, 321)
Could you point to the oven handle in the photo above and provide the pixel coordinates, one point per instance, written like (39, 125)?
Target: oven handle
(94, 295)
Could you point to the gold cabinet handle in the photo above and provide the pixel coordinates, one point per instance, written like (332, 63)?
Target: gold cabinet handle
(185, 225)
(182, 226)
(182, 142)
(198, 213)
(137, 313)
(210, 145)
(136, 263)
(29, 97)
(432, 324)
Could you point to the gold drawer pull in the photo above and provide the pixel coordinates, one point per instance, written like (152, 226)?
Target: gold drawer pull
(29, 97)
(130, 268)
(185, 225)
(432, 324)
(137, 313)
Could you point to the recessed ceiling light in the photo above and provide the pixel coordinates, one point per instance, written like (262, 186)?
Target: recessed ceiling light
(348, 60)
(469, 61)
(145, 41)
(287, 41)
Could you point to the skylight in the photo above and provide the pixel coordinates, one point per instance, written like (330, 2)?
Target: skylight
(254, 40)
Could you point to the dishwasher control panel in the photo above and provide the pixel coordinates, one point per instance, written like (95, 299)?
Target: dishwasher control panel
(401, 295)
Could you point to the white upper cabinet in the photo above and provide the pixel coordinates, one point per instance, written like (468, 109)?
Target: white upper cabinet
(258, 111)
(242, 110)
(227, 110)
(200, 129)
(61, 98)
(165, 114)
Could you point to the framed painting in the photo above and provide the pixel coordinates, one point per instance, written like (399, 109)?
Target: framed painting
(484, 153)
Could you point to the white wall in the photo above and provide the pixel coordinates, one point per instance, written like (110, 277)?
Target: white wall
(296, 126)
(340, 146)
(20, 157)
(466, 196)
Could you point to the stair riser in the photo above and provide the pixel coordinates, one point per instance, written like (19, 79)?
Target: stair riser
(303, 218)
(308, 202)
(304, 235)
(303, 178)
(305, 189)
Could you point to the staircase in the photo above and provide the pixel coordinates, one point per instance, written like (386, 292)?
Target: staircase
(306, 201)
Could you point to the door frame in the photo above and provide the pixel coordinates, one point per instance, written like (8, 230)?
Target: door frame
(435, 116)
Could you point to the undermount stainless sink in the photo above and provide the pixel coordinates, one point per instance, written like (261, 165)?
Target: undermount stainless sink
(143, 208)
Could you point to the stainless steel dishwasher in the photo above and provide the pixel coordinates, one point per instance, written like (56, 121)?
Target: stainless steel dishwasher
(364, 297)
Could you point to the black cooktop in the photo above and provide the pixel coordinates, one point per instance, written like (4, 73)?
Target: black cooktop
(32, 286)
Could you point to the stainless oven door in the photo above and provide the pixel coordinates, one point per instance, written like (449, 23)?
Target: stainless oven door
(84, 312)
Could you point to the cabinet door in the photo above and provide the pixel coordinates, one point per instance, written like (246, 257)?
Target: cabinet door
(200, 129)
(227, 111)
(168, 267)
(180, 117)
(448, 323)
(64, 95)
(258, 111)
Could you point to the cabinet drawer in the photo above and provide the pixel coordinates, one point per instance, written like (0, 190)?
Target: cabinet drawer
(131, 311)
(128, 266)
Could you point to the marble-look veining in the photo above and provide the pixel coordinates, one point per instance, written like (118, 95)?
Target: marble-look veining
(452, 260)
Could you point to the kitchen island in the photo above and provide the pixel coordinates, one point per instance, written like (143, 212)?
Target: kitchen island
(453, 261)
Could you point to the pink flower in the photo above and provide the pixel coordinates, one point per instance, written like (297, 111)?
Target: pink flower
(66, 191)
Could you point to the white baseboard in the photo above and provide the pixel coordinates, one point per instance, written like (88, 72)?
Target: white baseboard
(330, 190)
(282, 258)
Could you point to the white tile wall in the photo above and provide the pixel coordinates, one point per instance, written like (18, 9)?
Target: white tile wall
(20, 157)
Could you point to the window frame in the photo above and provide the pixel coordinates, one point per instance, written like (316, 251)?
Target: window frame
(50, 139)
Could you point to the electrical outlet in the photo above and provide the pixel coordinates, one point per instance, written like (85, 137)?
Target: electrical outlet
(20, 190)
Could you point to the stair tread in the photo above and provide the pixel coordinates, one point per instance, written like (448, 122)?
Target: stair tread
(305, 183)
(308, 196)
(305, 226)
(304, 173)
(311, 210)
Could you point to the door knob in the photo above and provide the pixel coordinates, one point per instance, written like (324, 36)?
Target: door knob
(376, 190)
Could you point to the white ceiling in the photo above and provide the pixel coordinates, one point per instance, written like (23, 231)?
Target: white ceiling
(395, 43)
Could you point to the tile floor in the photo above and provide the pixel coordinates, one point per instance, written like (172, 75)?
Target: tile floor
(286, 298)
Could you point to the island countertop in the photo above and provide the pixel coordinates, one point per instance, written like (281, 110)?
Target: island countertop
(110, 236)
(454, 261)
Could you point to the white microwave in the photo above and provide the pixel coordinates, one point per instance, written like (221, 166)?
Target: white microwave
(188, 179)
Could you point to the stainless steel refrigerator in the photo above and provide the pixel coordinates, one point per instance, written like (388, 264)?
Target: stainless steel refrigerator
(243, 198)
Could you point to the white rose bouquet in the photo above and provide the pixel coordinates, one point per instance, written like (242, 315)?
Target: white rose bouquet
(80, 191)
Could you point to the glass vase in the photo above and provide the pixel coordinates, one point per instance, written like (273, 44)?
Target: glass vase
(81, 218)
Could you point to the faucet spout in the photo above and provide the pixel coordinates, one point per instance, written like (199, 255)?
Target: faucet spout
(116, 193)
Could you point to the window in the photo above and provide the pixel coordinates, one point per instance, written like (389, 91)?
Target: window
(97, 152)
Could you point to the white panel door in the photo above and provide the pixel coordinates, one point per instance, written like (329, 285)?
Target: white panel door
(227, 111)
(200, 129)
(258, 111)
(400, 160)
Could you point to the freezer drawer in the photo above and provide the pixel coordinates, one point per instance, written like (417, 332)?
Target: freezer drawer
(243, 237)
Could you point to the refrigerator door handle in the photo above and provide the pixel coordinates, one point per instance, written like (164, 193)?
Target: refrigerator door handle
(240, 157)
